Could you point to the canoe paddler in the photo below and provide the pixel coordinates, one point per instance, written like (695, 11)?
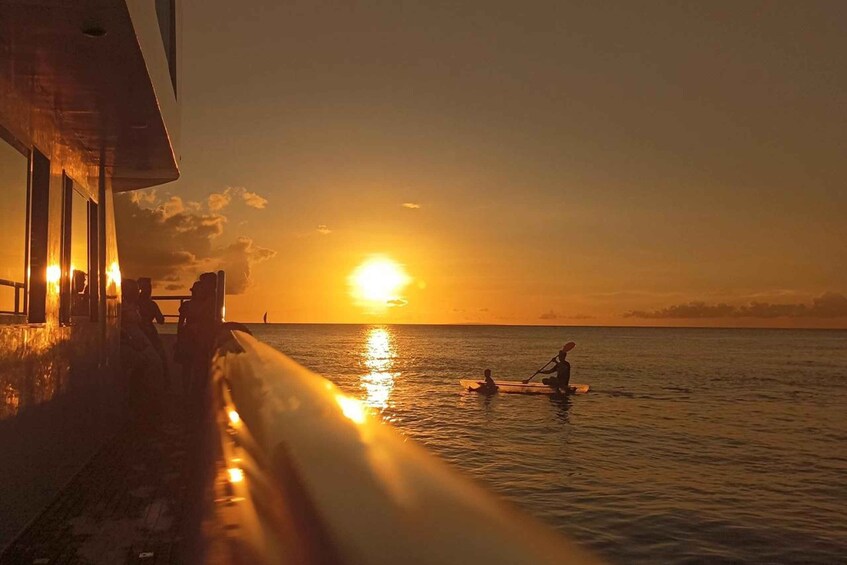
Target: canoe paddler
(563, 373)
(561, 367)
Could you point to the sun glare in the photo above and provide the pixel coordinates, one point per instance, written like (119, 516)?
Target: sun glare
(378, 282)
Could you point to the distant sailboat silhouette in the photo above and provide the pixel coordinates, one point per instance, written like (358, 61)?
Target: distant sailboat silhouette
(265, 318)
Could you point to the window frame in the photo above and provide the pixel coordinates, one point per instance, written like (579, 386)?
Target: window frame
(38, 219)
(18, 314)
(70, 188)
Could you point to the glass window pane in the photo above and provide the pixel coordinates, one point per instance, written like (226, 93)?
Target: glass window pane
(79, 255)
(13, 168)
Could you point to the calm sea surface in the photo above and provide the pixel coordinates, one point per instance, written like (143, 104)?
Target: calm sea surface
(693, 445)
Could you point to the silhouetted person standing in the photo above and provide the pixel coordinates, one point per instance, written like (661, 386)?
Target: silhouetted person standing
(149, 313)
(138, 355)
(149, 310)
(195, 331)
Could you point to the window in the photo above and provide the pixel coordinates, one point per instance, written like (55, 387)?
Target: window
(13, 192)
(80, 305)
(76, 253)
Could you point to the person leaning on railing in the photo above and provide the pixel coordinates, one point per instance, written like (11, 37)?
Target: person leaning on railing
(195, 332)
(150, 312)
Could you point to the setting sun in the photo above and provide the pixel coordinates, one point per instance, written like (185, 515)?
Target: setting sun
(378, 282)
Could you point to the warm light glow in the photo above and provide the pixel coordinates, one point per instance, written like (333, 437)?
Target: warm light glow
(54, 274)
(352, 408)
(234, 417)
(236, 475)
(378, 281)
(113, 277)
(113, 274)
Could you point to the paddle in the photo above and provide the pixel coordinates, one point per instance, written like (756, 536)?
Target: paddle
(566, 347)
(525, 381)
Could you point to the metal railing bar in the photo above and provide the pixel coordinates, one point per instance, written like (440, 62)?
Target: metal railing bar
(19, 287)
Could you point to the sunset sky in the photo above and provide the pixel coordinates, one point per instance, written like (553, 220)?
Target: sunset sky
(561, 163)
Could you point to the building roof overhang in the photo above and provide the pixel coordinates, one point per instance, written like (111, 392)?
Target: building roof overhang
(92, 75)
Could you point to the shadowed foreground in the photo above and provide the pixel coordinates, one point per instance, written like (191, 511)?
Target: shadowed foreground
(139, 499)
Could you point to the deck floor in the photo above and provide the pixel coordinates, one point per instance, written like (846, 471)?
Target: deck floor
(138, 500)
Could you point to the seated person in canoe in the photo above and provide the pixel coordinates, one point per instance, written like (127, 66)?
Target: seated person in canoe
(489, 386)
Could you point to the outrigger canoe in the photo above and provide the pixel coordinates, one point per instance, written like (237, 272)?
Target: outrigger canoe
(517, 387)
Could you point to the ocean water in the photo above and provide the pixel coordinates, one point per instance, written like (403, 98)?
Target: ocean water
(693, 445)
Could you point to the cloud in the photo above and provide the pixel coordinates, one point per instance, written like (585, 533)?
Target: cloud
(828, 305)
(237, 260)
(411, 205)
(147, 196)
(551, 315)
(397, 302)
(217, 201)
(172, 243)
(172, 206)
(323, 230)
(253, 200)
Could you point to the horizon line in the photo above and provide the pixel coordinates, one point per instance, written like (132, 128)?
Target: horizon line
(480, 324)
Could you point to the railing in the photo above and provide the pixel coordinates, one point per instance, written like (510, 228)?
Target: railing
(219, 303)
(173, 297)
(311, 477)
(19, 287)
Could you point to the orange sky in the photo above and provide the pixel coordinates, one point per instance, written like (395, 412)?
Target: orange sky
(561, 163)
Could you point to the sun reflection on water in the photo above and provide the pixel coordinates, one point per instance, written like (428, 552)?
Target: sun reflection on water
(378, 356)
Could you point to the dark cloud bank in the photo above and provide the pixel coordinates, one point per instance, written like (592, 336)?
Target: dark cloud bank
(172, 243)
(828, 305)
(552, 315)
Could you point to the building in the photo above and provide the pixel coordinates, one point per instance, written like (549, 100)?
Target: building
(89, 106)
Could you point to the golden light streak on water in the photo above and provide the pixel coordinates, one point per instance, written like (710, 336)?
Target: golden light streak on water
(379, 359)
